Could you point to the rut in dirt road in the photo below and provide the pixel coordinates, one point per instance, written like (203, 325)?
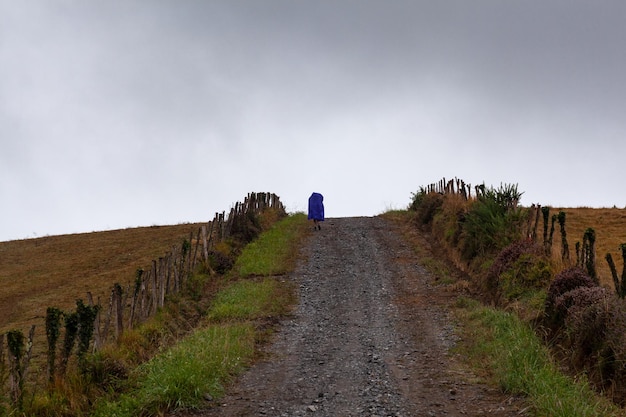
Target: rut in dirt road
(366, 338)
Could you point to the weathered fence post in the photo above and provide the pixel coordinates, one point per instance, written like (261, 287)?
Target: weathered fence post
(119, 311)
(589, 253)
(205, 244)
(564, 244)
(69, 339)
(154, 289)
(136, 290)
(97, 341)
(19, 359)
(53, 331)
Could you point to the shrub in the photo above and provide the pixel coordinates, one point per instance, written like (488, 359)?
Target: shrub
(493, 222)
(220, 262)
(567, 280)
(246, 227)
(519, 267)
(426, 206)
(448, 222)
(417, 198)
(595, 333)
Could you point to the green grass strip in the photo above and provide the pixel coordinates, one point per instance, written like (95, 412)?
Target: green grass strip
(275, 251)
(520, 364)
(249, 300)
(185, 375)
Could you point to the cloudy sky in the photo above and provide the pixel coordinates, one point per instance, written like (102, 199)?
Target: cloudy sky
(125, 113)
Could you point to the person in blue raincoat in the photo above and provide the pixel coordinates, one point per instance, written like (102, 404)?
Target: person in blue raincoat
(316, 210)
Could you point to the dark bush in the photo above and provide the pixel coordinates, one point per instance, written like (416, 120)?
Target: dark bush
(220, 262)
(519, 267)
(567, 280)
(578, 299)
(246, 227)
(595, 333)
(429, 204)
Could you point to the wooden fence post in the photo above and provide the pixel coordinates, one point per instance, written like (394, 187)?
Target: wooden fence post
(109, 317)
(119, 312)
(153, 290)
(145, 295)
(205, 244)
(97, 342)
(2, 359)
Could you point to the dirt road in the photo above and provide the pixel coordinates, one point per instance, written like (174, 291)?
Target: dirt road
(370, 337)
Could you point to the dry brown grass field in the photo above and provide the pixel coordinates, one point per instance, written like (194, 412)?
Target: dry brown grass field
(55, 271)
(610, 227)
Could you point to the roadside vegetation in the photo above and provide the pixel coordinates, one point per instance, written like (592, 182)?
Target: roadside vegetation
(195, 372)
(540, 318)
(187, 353)
(537, 321)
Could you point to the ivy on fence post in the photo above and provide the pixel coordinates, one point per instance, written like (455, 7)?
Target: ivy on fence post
(15, 344)
(119, 312)
(545, 211)
(86, 319)
(53, 330)
(534, 232)
(589, 253)
(138, 282)
(564, 245)
(71, 330)
(19, 359)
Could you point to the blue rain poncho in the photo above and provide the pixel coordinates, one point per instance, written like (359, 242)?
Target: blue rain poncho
(316, 207)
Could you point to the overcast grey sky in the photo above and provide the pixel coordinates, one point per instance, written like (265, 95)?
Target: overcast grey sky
(125, 113)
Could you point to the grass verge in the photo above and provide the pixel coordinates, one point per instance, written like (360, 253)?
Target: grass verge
(186, 375)
(275, 251)
(251, 300)
(515, 359)
(199, 367)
